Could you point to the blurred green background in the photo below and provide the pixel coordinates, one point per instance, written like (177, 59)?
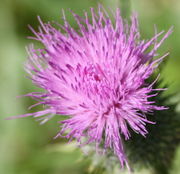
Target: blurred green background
(25, 146)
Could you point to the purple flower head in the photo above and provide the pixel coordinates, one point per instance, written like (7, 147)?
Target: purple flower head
(96, 77)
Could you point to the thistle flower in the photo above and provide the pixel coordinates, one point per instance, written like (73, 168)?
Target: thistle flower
(95, 76)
